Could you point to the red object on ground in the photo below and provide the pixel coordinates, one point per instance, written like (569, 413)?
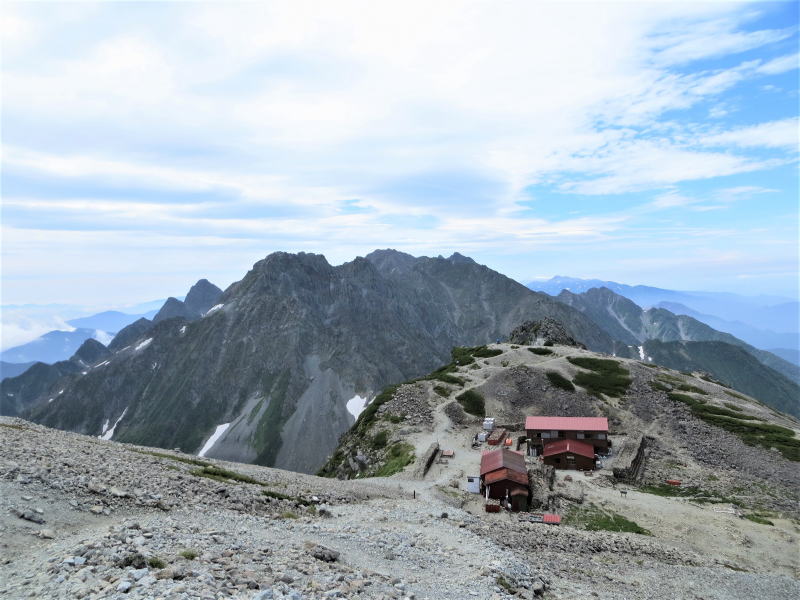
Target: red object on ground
(574, 446)
(496, 437)
(567, 423)
(509, 441)
(492, 508)
(674, 481)
(551, 519)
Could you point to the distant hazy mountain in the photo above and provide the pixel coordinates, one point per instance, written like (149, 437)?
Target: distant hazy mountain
(626, 321)
(23, 391)
(53, 346)
(759, 338)
(289, 345)
(8, 369)
(791, 355)
(769, 313)
(110, 320)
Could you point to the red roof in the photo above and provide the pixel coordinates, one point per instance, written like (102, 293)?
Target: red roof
(491, 460)
(551, 518)
(503, 474)
(567, 423)
(574, 446)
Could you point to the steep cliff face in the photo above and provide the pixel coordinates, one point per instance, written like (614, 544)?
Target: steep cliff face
(271, 370)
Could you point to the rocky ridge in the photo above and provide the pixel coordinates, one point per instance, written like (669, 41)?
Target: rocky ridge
(285, 349)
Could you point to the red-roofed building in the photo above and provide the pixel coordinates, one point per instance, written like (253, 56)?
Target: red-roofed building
(491, 460)
(504, 476)
(543, 431)
(569, 454)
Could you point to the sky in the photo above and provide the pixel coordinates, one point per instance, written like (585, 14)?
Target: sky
(146, 145)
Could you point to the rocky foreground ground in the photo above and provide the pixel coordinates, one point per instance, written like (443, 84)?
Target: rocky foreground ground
(85, 518)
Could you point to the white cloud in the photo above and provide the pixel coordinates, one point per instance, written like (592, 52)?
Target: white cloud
(776, 134)
(20, 326)
(712, 39)
(780, 65)
(648, 164)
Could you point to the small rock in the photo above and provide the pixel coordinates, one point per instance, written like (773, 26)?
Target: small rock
(28, 515)
(47, 534)
(124, 586)
(324, 554)
(96, 509)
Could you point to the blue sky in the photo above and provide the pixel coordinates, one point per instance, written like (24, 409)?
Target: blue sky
(147, 145)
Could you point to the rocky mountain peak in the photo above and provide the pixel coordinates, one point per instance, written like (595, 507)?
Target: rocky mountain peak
(460, 258)
(547, 331)
(172, 308)
(91, 351)
(202, 296)
(389, 260)
(130, 334)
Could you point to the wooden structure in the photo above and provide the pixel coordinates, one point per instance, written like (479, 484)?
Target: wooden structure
(542, 431)
(504, 476)
(497, 437)
(570, 454)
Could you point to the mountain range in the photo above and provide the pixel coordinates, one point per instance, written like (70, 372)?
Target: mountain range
(767, 322)
(59, 345)
(264, 371)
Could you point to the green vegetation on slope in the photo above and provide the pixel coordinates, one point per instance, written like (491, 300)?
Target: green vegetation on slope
(367, 416)
(441, 390)
(692, 493)
(188, 461)
(461, 356)
(731, 365)
(220, 474)
(758, 518)
(399, 456)
(559, 381)
(473, 403)
(379, 439)
(594, 518)
(541, 351)
(606, 376)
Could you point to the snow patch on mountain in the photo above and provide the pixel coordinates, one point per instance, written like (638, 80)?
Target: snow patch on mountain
(213, 439)
(144, 344)
(356, 405)
(214, 308)
(107, 435)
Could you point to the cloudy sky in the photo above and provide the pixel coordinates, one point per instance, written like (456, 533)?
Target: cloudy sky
(146, 145)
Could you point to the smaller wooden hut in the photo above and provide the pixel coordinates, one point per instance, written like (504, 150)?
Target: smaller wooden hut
(504, 476)
(570, 454)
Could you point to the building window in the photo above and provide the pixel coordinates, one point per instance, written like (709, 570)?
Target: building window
(581, 435)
